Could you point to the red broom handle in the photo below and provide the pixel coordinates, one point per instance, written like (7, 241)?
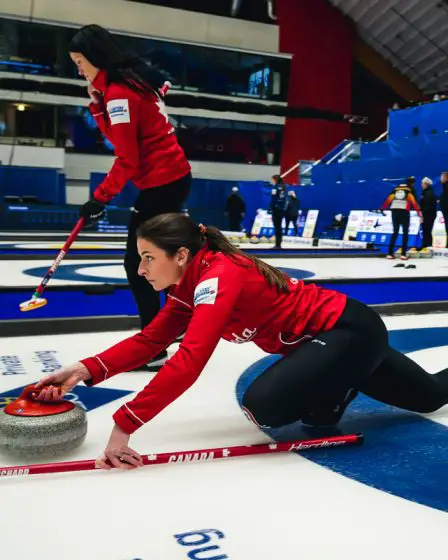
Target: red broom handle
(57, 261)
(195, 456)
(164, 89)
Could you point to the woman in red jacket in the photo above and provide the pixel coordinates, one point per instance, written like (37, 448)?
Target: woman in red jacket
(332, 346)
(131, 113)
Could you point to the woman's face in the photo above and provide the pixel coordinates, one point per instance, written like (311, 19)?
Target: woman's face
(85, 68)
(158, 268)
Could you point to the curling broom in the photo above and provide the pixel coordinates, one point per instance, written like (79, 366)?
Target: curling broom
(197, 456)
(37, 300)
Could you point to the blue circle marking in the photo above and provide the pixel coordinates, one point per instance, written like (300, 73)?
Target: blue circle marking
(73, 272)
(405, 454)
(296, 272)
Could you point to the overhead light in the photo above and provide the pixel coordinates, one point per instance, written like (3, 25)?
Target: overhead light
(21, 107)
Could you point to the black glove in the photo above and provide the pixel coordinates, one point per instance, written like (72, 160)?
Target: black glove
(92, 211)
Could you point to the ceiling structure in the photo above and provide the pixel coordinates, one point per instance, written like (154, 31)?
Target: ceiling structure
(411, 34)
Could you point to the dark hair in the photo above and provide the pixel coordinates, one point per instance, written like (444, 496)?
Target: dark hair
(124, 66)
(278, 179)
(170, 232)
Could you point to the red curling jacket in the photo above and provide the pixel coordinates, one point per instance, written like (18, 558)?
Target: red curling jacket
(146, 148)
(217, 297)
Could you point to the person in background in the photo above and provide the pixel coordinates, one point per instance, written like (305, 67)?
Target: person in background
(401, 200)
(279, 202)
(292, 212)
(444, 201)
(428, 205)
(235, 209)
(130, 111)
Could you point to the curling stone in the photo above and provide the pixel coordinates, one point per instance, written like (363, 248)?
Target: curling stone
(426, 253)
(32, 428)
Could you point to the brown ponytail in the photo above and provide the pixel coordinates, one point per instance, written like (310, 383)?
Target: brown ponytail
(170, 232)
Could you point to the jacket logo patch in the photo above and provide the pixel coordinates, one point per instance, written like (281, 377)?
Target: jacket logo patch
(206, 292)
(118, 110)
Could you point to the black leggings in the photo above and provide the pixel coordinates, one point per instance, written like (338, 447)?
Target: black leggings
(277, 219)
(400, 218)
(150, 203)
(317, 381)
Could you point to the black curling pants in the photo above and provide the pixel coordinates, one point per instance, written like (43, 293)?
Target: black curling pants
(317, 381)
(277, 219)
(150, 203)
(428, 224)
(400, 218)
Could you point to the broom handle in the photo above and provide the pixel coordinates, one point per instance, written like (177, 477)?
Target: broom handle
(57, 261)
(290, 170)
(164, 89)
(195, 456)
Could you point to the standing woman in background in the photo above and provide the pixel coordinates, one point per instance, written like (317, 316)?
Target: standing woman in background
(279, 202)
(401, 200)
(428, 204)
(130, 112)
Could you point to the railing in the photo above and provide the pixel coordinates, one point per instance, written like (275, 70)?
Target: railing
(351, 150)
(334, 151)
(347, 150)
(382, 136)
